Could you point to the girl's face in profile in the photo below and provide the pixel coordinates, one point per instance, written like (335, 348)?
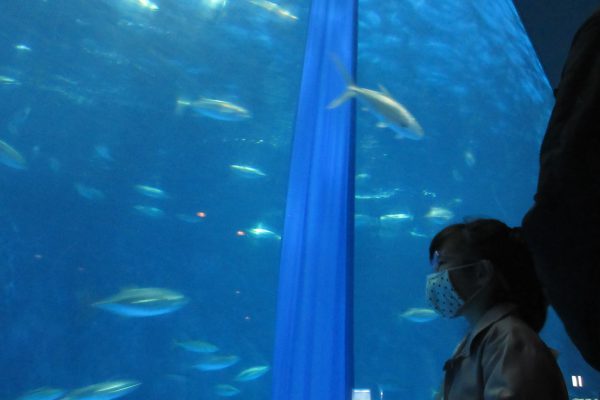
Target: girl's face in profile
(454, 253)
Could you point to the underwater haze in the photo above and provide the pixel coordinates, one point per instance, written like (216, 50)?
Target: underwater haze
(144, 150)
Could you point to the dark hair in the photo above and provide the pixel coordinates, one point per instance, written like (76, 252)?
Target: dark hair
(506, 249)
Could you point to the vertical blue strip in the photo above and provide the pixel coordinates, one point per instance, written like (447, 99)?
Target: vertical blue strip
(313, 346)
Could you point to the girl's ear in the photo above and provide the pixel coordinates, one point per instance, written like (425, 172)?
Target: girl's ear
(486, 270)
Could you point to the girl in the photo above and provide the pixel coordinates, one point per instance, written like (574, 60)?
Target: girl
(484, 273)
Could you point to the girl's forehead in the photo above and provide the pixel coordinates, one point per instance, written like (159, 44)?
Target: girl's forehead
(454, 247)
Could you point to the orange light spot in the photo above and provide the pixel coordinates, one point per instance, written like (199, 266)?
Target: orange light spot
(201, 214)
(240, 233)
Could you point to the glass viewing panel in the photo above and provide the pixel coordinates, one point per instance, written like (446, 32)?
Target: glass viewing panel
(143, 167)
(468, 74)
(144, 148)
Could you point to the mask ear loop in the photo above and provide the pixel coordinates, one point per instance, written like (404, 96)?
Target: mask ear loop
(498, 276)
(488, 266)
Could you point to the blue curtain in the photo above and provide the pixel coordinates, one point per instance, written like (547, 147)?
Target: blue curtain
(313, 347)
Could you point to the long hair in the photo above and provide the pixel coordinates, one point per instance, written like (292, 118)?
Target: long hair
(494, 241)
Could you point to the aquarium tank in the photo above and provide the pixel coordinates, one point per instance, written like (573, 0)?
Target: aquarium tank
(145, 151)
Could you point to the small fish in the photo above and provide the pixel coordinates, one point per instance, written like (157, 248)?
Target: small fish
(149, 211)
(362, 177)
(11, 157)
(214, 4)
(391, 218)
(419, 315)
(470, 158)
(390, 113)
(251, 374)
(380, 195)
(88, 192)
(22, 47)
(216, 109)
(439, 215)
(226, 390)
(103, 391)
(43, 393)
(215, 363)
(197, 346)
(246, 171)
(147, 4)
(143, 302)
(417, 234)
(7, 80)
(261, 233)
(150, 191)
(274, 8)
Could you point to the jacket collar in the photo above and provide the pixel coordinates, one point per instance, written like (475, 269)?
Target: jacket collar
(491, 316)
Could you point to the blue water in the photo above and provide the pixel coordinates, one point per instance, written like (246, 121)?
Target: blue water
(93, 102)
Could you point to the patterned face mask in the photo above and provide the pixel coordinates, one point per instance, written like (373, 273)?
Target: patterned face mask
(442, 296)
(441, 293)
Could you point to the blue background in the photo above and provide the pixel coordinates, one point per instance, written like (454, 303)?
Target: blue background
(105, 77)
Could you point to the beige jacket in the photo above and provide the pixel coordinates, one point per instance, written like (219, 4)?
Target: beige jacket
(503, 358)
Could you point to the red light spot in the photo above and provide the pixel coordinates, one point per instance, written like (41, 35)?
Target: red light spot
(240, 233)
(201, 214)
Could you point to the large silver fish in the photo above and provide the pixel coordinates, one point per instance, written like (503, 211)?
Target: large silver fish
(247, 171)
(390, 113)
(395, 218)
(251, 374)
(151, 191)
(143, 302)
(259, 232)
(216, 363)
(274, 8)
(103, 391)
(216, 109)
(439, 215)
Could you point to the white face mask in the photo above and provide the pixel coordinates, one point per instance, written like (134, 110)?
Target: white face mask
(441, 293)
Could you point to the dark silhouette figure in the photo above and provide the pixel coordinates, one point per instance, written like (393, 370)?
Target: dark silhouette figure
(563, 227)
